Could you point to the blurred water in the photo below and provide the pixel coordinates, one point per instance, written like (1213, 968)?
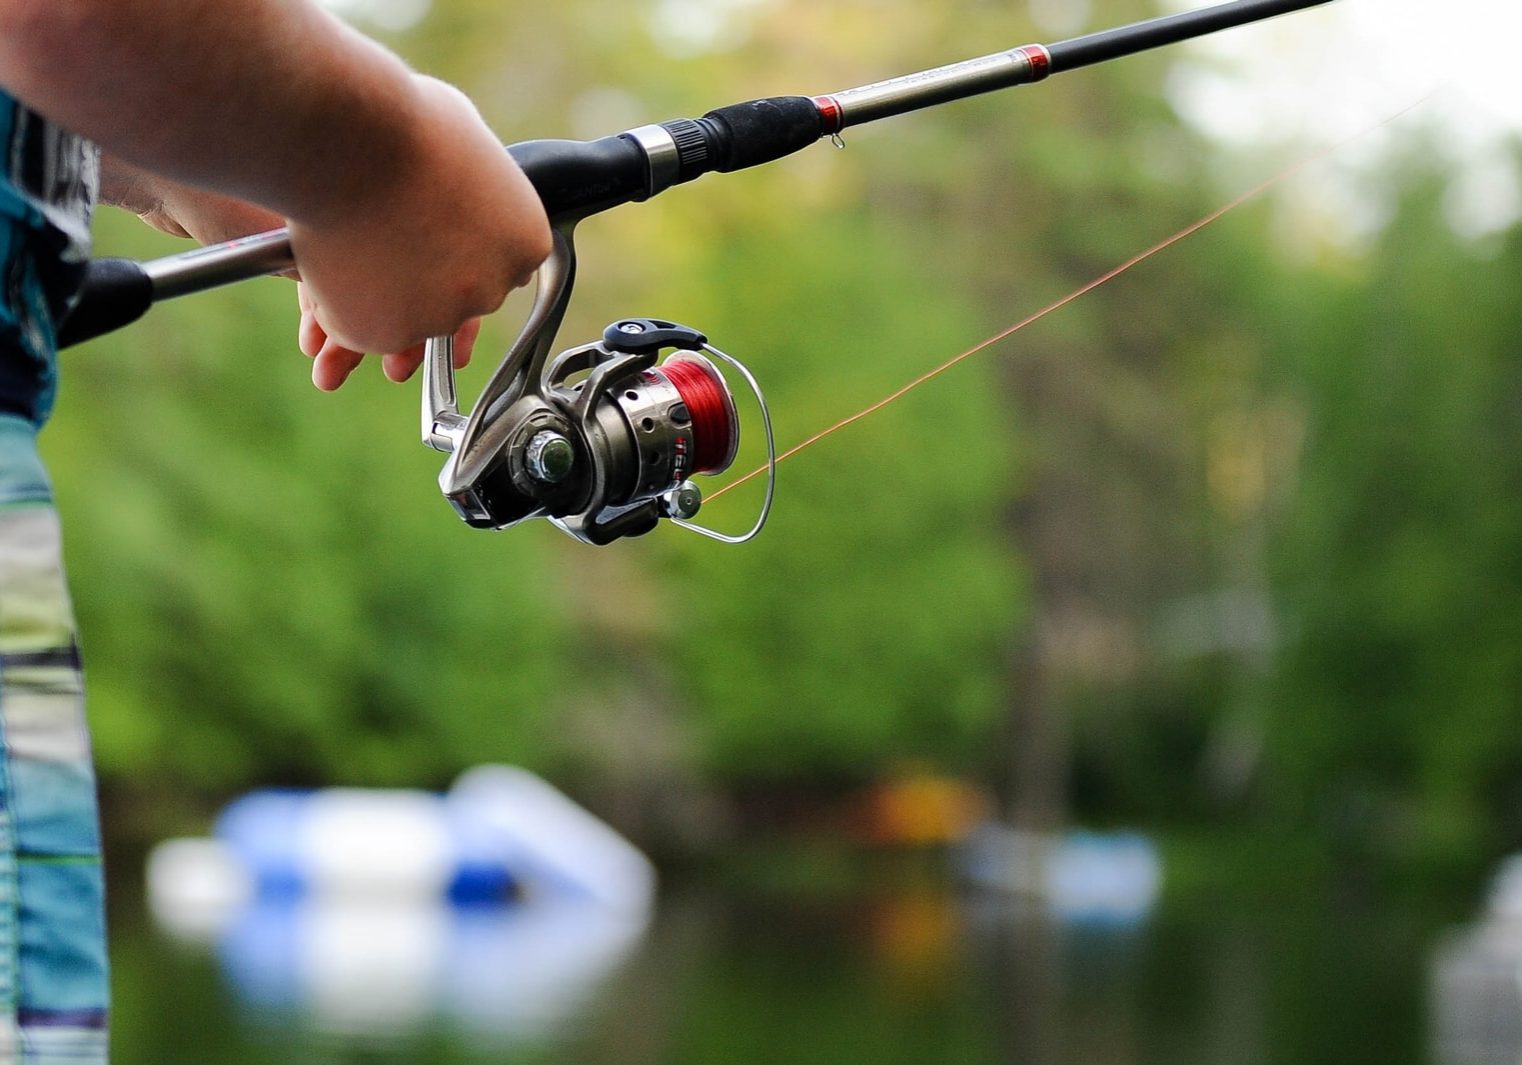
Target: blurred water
(907, 971)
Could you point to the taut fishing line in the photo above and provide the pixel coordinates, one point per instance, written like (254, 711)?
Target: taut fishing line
(1078, 293)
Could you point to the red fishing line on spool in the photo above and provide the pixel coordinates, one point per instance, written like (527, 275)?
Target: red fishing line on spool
(715, 428)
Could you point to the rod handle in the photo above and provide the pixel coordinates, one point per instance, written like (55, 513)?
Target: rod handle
(754, 132)
(576, 179)
(115, 292)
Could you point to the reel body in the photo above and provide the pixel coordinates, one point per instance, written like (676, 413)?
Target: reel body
(603, 439)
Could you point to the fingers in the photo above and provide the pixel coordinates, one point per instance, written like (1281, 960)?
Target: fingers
(465, 343)
(309, 335)
(332, 363)
(402, 365)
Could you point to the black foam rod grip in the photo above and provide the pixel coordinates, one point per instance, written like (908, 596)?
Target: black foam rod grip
(576, 179)
(759, 131)
(116, 292)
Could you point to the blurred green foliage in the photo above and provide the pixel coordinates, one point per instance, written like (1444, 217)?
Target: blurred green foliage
(1237, 532)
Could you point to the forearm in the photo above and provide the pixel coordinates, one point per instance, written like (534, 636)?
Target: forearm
(273, 101)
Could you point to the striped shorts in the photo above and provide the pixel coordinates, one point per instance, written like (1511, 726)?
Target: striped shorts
(53, 981)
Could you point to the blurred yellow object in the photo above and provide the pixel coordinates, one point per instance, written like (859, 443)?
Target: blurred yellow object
(921, 808)
(915, 937)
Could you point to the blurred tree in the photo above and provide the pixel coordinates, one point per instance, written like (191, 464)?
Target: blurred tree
(1395, 698)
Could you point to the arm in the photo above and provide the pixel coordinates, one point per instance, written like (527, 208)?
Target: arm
(407, 217)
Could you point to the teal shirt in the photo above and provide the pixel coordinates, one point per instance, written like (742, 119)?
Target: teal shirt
(53, 975)
(49, 179)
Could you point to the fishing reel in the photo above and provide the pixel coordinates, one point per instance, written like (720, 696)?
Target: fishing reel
(604, 439)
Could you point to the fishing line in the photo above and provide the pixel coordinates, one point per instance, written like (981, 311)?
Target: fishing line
(715, 429)
(1078, 293)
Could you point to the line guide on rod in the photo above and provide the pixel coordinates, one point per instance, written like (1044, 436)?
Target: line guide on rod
(602, 439)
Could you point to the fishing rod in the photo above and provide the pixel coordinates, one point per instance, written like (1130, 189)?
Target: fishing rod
(603, 439)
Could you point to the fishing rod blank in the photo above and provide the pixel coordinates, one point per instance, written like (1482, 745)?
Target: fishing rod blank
(577, 179)
(1035, 62)
(1171, 29)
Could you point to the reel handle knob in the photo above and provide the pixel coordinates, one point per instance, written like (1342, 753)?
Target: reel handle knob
(682, 502)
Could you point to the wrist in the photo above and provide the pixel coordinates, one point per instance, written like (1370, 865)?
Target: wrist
(128, 187)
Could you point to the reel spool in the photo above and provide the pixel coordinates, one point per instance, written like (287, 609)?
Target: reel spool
(602, 440)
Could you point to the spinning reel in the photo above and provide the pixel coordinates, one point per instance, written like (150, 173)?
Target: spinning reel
(604, 438)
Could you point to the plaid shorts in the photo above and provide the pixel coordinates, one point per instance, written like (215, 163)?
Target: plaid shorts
(53, 981)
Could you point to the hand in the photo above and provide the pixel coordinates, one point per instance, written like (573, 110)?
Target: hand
(333, 363)
(424, 250)
(210, 218)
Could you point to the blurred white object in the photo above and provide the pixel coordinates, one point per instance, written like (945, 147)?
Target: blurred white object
(1505, 898)
(502, 904)
(526, 971)
(195, 886)
(387, 842)
(553, 846)
(375, 966)
(361, 965)
(1104, 876)
(1476, 981)
(1081, 876)
(499, 834)
(1476, 989)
